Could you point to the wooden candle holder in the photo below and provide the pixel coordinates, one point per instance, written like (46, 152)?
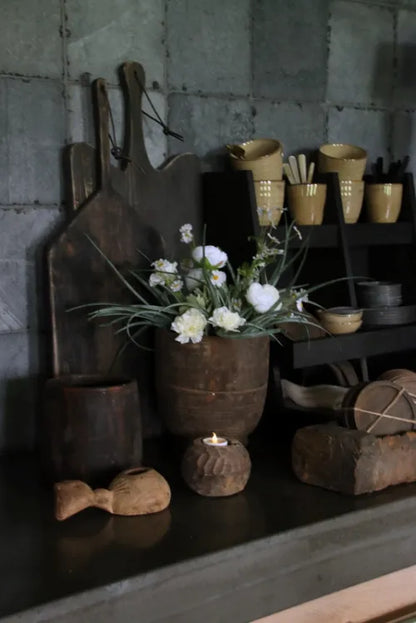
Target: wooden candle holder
(136, 491)
(216, 471)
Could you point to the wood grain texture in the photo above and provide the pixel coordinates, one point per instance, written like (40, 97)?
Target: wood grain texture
(122, 210)
(136, 491)
(351, 461)
(219, 385)
(216, 471)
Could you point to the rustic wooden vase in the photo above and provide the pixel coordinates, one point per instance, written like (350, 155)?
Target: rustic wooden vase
(216, 471)
(218, 385)
(91, 428)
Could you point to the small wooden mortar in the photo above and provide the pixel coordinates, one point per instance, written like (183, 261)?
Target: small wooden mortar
(216, 471)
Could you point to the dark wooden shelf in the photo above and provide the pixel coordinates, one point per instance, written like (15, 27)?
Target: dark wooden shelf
(364, 343)
(359, 234)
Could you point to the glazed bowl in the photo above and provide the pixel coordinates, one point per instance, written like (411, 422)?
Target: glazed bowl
(340, 320)
(352, 195)
(306, 203)
(269, 201)
(262, 156)
(348, 161)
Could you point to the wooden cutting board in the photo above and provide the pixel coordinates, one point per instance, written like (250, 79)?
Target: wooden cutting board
(119, 225)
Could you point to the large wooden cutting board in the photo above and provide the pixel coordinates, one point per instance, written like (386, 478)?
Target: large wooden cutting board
(120, 225)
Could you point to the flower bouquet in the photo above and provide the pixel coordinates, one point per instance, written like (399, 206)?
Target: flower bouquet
(204, 295)
(206, 382)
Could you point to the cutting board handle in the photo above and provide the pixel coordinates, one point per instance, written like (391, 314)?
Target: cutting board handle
(101, 116)
(134, 146)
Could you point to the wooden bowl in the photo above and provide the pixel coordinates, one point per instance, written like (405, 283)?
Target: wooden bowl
(262, 156)
(348, 161)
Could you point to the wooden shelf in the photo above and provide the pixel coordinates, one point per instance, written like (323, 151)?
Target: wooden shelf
(359, 234)
(364, 343)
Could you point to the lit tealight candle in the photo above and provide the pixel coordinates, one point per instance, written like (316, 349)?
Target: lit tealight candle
(215, 441)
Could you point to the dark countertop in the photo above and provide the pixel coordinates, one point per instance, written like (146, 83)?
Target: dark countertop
(277, 544)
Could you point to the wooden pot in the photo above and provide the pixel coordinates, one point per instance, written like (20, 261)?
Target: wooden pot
(91, 428)
(218, 385)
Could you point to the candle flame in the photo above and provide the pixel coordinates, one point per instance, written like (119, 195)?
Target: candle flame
(214, 438)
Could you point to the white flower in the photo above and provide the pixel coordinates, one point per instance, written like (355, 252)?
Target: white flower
(236, 304)
(218, 278)
(194, 278)
(301, 297)
(164, 266)
(263, 297)
(214, 255)
(186, 233)
(226, 319)
(190, 326)
(176, 285)
(156, 279)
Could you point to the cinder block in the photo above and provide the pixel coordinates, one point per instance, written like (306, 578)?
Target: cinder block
(369, 129)
(18, 291)
(30, 41)
(361, 54)
(300, 127)
(404, 138)
(105, 34)
(24, 232)
(405, 92)
(208, 124)
(209, 46)
(290, 49)
(19, 369)
(33, 116)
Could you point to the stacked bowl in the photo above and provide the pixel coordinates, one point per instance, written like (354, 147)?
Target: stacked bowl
(264, 158)
(349, 162)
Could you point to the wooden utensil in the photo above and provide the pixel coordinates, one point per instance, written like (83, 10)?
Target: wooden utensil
(288, 172)
(295, 171)
(311, 172)
(302, 168)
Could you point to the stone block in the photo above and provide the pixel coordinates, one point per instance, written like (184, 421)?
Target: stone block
(33, 122)
(19, 369)
(300, 127)
(360, 67)
(81, 120)
(369, 129)
(290, 49)
(30, 41)
(208, 124)
(18, 292)
(103, 35)
(352, 461)
(209, 46)
(25, 231)
(405, 92)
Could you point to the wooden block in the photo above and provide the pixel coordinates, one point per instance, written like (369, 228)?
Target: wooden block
(351, 461)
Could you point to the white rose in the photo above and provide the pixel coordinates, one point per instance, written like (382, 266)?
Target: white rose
(218, 278)
(214, 255)
(226, 319)
(190, 326)
(194, 279)
(263, 297)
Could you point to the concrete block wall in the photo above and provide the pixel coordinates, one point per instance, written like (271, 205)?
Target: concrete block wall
(304, 71)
